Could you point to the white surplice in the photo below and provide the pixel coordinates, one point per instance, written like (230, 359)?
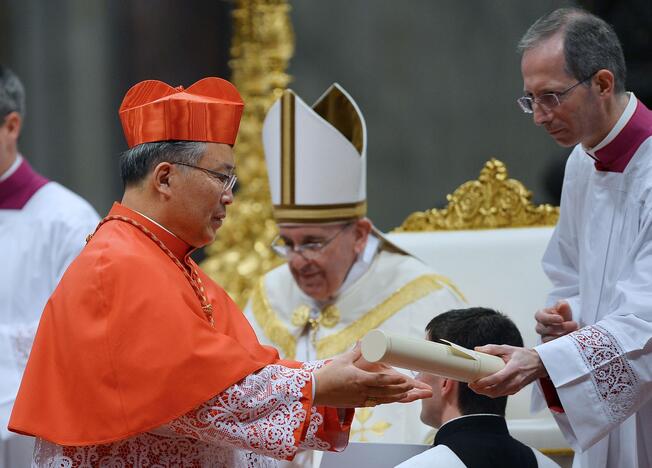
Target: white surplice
(600, 260)
(37, 242)
(384, 289)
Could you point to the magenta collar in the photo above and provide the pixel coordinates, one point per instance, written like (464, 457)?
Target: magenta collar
(615, 156)
(16, 190)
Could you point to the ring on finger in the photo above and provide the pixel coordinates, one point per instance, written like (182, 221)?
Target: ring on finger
(370, 402)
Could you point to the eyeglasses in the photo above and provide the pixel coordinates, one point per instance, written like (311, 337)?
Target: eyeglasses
(309, 250)
(548, 100)
(228, 180)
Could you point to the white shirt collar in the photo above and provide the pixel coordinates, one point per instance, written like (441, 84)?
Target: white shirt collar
(630, 108)
(362, 263)
(13, 168)
(159, 225)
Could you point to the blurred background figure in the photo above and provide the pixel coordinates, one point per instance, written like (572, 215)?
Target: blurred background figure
(43, 226)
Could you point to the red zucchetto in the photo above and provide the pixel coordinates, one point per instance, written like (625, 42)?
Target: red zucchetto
(209, 110)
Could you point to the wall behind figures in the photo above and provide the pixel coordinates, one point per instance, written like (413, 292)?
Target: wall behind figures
(437, 83)
(77, 58)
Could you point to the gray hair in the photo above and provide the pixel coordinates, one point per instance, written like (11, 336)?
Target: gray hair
(12, 93)
(590, 44)
(137, 162)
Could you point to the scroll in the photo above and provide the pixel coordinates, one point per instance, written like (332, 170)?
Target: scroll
(447, 360)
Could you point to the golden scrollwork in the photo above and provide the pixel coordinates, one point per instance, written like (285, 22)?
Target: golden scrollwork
(362, 418)
(492, 201)
(262, 45)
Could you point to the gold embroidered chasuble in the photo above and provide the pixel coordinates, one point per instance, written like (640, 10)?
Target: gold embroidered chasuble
(398, 293)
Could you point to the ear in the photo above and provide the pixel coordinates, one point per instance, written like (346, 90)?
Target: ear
(449, 388)
(12, 124)
(361, 232)
(162, 177)
(605, 81)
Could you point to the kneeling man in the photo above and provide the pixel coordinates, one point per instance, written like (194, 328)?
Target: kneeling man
(472, 428)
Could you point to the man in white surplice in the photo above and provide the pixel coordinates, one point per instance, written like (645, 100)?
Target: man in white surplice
(42, 228)
(342, 277)
(594, 366)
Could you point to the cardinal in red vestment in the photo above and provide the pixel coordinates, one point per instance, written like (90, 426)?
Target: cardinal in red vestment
(142, 360)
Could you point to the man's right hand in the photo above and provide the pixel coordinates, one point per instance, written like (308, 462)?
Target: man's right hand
(341, 384)
(555, 321)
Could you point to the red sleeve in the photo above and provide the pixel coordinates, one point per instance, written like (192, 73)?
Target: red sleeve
(551, 396)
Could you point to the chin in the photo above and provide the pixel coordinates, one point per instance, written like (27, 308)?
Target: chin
(206, 240)
(564, 140)
(566, 143)
(315, 292)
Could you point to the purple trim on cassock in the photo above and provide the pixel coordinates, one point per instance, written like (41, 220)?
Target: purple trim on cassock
(616, 155)
(16, 191)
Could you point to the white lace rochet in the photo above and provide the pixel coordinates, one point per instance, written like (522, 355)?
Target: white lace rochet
(250, 424)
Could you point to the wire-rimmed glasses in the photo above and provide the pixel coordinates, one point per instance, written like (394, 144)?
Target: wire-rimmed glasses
(309, 250)
(228, 180)
(547, 100)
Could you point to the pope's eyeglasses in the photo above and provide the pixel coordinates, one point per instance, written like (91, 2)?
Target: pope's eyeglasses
(228, 180)
(309, 250)
(548, 100)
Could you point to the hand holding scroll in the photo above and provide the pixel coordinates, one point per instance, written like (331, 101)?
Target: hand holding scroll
(522, 366)
(343, 384)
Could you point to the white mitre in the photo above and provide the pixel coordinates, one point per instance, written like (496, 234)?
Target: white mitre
(316, 158)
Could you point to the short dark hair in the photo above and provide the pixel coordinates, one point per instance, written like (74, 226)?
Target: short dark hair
(590, 43)
(475, 326)
(137, 162)
(12, 93)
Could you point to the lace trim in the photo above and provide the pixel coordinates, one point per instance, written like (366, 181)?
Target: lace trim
(312, 366)
(261, 413)
(147, 451)
(614, 380)
(311, 440)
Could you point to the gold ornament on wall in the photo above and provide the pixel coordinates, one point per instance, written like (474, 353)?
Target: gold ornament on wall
(493, 201)
(262, 45)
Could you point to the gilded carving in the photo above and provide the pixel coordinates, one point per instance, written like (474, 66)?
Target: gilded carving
(262, 45)
(493, 201)
(362, 418)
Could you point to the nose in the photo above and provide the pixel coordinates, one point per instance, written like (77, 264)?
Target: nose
(296, 260)
(227, 197)
(540, 115)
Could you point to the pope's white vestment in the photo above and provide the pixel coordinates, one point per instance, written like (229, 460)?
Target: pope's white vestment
(600, 261)
(40, 234)
(384, 289)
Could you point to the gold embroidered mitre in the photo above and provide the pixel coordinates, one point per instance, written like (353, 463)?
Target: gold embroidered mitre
(316, 158)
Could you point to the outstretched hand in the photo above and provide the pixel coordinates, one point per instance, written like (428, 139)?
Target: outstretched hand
(555, 321)
(522, 366)
(348, 381)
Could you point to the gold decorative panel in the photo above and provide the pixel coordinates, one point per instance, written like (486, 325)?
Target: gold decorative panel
(492, 201)
(262, 45)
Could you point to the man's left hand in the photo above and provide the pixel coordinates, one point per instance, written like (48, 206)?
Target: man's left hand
(522, 366)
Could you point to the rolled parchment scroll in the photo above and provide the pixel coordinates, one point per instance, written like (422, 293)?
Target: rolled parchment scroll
(447, 360)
